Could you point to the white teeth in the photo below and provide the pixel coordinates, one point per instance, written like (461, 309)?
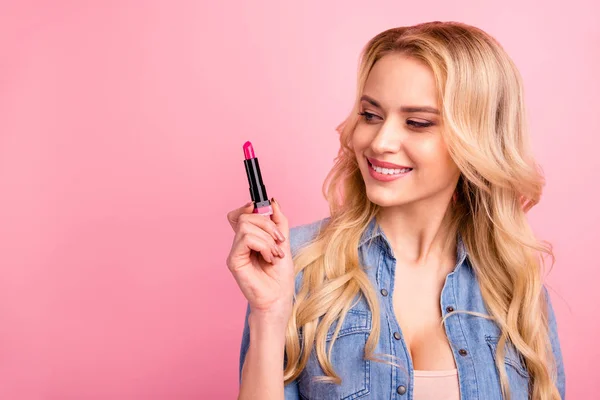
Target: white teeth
(388, 171)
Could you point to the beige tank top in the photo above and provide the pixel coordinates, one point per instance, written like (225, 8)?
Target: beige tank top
(436, 385)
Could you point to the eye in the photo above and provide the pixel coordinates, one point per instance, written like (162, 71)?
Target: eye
(367, 116)
(418, 124)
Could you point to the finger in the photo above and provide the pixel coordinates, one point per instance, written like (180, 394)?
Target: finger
(252, 242)
(234, 215)
(279, 219)
(266, 224)
(247, 226)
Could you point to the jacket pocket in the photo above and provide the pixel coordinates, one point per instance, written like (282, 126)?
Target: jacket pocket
(511, 358)
(516, 371)
(347, 358)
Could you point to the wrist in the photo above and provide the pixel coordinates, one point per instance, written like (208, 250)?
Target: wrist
(268, 325)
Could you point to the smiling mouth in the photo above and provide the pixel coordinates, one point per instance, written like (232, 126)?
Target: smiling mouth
(388, 171)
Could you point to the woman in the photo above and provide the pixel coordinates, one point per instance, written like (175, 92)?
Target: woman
(426, 280)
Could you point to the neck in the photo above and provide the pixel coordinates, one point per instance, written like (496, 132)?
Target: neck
(420, 233)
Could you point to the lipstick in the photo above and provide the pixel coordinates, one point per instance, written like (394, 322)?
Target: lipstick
(258, 191)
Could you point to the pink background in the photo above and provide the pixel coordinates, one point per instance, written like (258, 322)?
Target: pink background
(121, 132)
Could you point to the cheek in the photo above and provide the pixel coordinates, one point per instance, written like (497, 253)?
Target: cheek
(360, 138)
(437, 164)
(429, 152)
(360, 142)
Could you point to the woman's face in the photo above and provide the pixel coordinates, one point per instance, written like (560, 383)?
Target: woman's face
(402, 128)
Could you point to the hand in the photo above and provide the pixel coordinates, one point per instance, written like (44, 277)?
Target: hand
(261, 262)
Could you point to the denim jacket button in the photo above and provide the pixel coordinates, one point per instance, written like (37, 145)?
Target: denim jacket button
(401, 389)
(384, 292)
(396, 336)
(462, 352)
(449, 309)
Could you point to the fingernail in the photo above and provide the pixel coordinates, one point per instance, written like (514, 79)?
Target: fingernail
(279, 235)
(276, 252)
(248, 204)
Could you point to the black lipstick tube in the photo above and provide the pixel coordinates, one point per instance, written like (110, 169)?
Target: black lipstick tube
(258, 191)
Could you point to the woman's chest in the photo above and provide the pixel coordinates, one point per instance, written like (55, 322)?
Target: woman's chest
(471, 341)
(416, 308)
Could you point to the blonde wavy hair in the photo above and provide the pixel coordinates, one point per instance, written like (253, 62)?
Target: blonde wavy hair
(484, 126)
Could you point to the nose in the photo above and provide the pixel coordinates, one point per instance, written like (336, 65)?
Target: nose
(388, 139)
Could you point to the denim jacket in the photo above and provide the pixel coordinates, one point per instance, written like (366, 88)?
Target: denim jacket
(474, 339)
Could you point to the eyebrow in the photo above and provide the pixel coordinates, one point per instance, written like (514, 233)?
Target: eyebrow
(406, 109)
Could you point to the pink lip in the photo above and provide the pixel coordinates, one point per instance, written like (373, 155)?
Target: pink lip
(383, 164)
(385, 177)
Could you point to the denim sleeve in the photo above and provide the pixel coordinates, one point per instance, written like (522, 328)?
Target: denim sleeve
(290, 390)
(245, 343)
(556, 349)
(299, 235)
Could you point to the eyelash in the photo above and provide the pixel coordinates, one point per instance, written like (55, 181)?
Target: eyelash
(415, 124)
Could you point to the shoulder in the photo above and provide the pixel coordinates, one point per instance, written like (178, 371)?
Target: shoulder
(301, 235)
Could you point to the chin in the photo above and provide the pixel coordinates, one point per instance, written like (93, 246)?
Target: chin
(385, 199)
